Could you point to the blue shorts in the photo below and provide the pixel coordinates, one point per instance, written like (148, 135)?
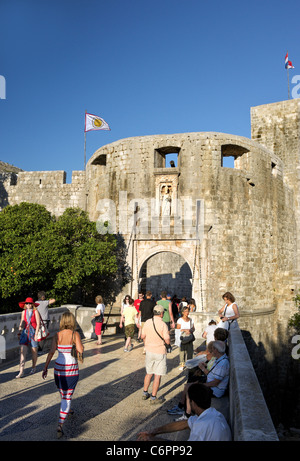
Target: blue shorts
(25, 341)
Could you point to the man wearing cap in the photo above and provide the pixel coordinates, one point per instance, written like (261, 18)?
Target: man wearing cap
(155, 334)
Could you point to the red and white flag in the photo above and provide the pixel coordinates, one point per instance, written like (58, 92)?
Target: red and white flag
(288, 64)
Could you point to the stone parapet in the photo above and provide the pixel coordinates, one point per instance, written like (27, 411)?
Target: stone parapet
(9, 325)
(250, 419)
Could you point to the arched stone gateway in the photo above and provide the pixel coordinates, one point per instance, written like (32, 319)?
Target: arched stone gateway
(168, 264)
(239, 217)
(166, 271)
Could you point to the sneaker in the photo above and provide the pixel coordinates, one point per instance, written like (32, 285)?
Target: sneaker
(181, 418)
(32, 371)
(145, 396)
(125, 350)
(176, 411)
(130, 348)
(157, 401)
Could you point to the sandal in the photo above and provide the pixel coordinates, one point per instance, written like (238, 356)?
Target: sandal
(60, 432)
(20, 375)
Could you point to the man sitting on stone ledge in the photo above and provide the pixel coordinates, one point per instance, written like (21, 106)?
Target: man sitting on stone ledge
(206, 423)
(218, 376)
(215, 378)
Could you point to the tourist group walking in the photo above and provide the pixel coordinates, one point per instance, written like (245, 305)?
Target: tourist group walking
(152, 321)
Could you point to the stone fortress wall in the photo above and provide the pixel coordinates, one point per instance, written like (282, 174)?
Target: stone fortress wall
(248, 215)
(48, 188)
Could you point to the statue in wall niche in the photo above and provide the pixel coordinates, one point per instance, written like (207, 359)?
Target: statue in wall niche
(166, 199)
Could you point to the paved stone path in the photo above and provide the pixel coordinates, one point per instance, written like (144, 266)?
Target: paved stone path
(107, 401)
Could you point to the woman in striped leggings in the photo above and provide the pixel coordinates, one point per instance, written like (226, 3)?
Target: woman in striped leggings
(66, 372)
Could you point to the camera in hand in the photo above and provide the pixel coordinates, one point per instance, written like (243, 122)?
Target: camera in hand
(168, 348)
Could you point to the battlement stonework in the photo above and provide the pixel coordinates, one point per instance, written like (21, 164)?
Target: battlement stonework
(200, 228)
(48, 188)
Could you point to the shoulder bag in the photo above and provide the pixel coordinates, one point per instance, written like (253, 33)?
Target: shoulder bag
(186, 339)
(167, 346)
(99, 318)
(43, 331)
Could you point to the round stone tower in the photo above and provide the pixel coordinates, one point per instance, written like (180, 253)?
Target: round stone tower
(198, 228)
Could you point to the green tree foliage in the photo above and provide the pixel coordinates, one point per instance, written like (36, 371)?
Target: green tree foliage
(64, 257)
(295, 319)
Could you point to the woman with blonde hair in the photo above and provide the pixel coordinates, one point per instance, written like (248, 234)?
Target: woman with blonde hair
(66, 371)
(99, 317)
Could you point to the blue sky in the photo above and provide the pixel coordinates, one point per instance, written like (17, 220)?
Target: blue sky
(159, 67)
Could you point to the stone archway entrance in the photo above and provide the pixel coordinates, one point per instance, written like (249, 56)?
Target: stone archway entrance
(166, 271)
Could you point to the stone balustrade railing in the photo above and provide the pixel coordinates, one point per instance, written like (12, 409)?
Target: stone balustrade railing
(248, 413)
(250, 419)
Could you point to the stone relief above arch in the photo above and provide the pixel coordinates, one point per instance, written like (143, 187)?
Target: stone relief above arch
(166, 194)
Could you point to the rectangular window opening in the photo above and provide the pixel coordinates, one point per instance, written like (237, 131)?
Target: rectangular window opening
(228, 162)
(234, 156)
(166, 157)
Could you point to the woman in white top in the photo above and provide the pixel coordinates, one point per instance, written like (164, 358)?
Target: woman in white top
(229, 312)
(186, 326)
(99, 317)
(208, 333)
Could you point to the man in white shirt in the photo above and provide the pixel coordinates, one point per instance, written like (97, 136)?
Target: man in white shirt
(206, 424)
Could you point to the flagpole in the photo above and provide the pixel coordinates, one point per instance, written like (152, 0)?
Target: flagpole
(84, 142)
(85, 202)
(84, 150)
(288, 82)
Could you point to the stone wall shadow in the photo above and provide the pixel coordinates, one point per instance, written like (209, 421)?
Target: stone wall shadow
(3, 195)
(278, 375)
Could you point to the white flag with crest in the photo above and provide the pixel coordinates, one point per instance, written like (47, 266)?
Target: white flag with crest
(93, 122)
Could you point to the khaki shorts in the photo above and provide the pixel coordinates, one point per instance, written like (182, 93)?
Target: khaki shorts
(156, 364)
(129, 331)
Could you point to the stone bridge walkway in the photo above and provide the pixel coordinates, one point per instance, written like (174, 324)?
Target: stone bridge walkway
(107, 401)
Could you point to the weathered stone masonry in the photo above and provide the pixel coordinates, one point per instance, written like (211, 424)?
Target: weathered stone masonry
(250, 213)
